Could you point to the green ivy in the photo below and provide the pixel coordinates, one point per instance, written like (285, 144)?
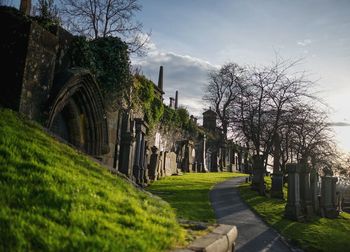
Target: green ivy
(108, 60)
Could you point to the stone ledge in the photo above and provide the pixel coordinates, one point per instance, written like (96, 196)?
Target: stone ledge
(221, 239)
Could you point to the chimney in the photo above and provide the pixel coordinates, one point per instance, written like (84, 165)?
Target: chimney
(176, 99)
(25, 6)
(160, 79)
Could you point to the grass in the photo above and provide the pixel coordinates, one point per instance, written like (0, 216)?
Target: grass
(318, 234)
(56, 199)
(189, 194)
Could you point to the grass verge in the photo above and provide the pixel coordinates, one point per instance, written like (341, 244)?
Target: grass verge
(319, 234)
(55, 199)
(189, 194)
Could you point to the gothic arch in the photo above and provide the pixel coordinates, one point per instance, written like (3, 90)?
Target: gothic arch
(77, 112)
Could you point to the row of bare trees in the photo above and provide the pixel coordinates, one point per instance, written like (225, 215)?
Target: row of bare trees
(271, 108)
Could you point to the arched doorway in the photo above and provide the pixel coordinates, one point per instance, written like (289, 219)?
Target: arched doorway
(77, 113)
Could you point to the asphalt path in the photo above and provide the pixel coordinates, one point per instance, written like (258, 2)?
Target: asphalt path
(253, 233)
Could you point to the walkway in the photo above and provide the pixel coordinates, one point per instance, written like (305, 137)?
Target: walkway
(253, 233)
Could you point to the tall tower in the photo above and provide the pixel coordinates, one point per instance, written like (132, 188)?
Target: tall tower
(160, 79)
(176, 99)
(209, 120)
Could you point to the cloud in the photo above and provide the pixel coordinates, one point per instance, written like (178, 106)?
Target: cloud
(339, 124)
(304, 42)
(187, 74)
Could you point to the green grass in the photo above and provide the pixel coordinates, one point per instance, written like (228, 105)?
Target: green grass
(319, 234)
(55, 199)
(189, 194)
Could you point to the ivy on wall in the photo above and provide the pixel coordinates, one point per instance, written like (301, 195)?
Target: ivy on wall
(108, 59)
(145, 99)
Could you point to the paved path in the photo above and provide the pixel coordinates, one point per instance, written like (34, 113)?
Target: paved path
(253, 233)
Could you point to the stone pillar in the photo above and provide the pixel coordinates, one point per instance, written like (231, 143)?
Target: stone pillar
(258, 175)
(305, 190)
(201, 155)
(314, 190)
(138, 168)
(146, 164)
(126, 146)
(188, 160)
(293, 207)
(329, 197)
(214, 161)
(160, 165)
(153, 164)
(277, 177)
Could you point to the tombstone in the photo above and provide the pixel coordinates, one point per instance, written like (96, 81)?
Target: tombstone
(293, 207)
(258, 175)
(146, 164)
(277, 185)
(161, 165)
(208, 159)
(139, 156)
(314, 190)
(173, 165)
(188, 158)
(126, 145)
(305, 190)
(277, 176)
(167, 165)
(201, 155)
(328, 202)
(214, 161)
(153, 164)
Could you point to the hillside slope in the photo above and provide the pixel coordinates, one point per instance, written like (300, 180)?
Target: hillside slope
(53, 198)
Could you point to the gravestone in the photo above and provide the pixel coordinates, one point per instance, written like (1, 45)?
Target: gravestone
(126, 145)
(277, 176)
(293, 207)
(315, 192)
(160, 166)
(140, 151)
(328, 202)
(153, 164)
(258, 175)
(305, 190)
(277, 185)
(170, 163)
(147, 164)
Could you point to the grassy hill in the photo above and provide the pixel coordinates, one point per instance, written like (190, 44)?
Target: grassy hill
(55, 199)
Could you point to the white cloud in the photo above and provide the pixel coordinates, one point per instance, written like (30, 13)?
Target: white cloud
(304, 42)
(184, 73)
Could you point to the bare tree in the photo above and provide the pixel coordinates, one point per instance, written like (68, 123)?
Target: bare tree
(223, 90)
(47, 10)
(264, 104)
(103, 18)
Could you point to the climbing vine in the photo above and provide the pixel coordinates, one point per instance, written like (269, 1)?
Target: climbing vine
(108, 60)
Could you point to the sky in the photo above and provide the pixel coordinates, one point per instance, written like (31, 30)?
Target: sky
(191, 37)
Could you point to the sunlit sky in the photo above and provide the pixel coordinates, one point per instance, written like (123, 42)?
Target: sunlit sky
(190, 37)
